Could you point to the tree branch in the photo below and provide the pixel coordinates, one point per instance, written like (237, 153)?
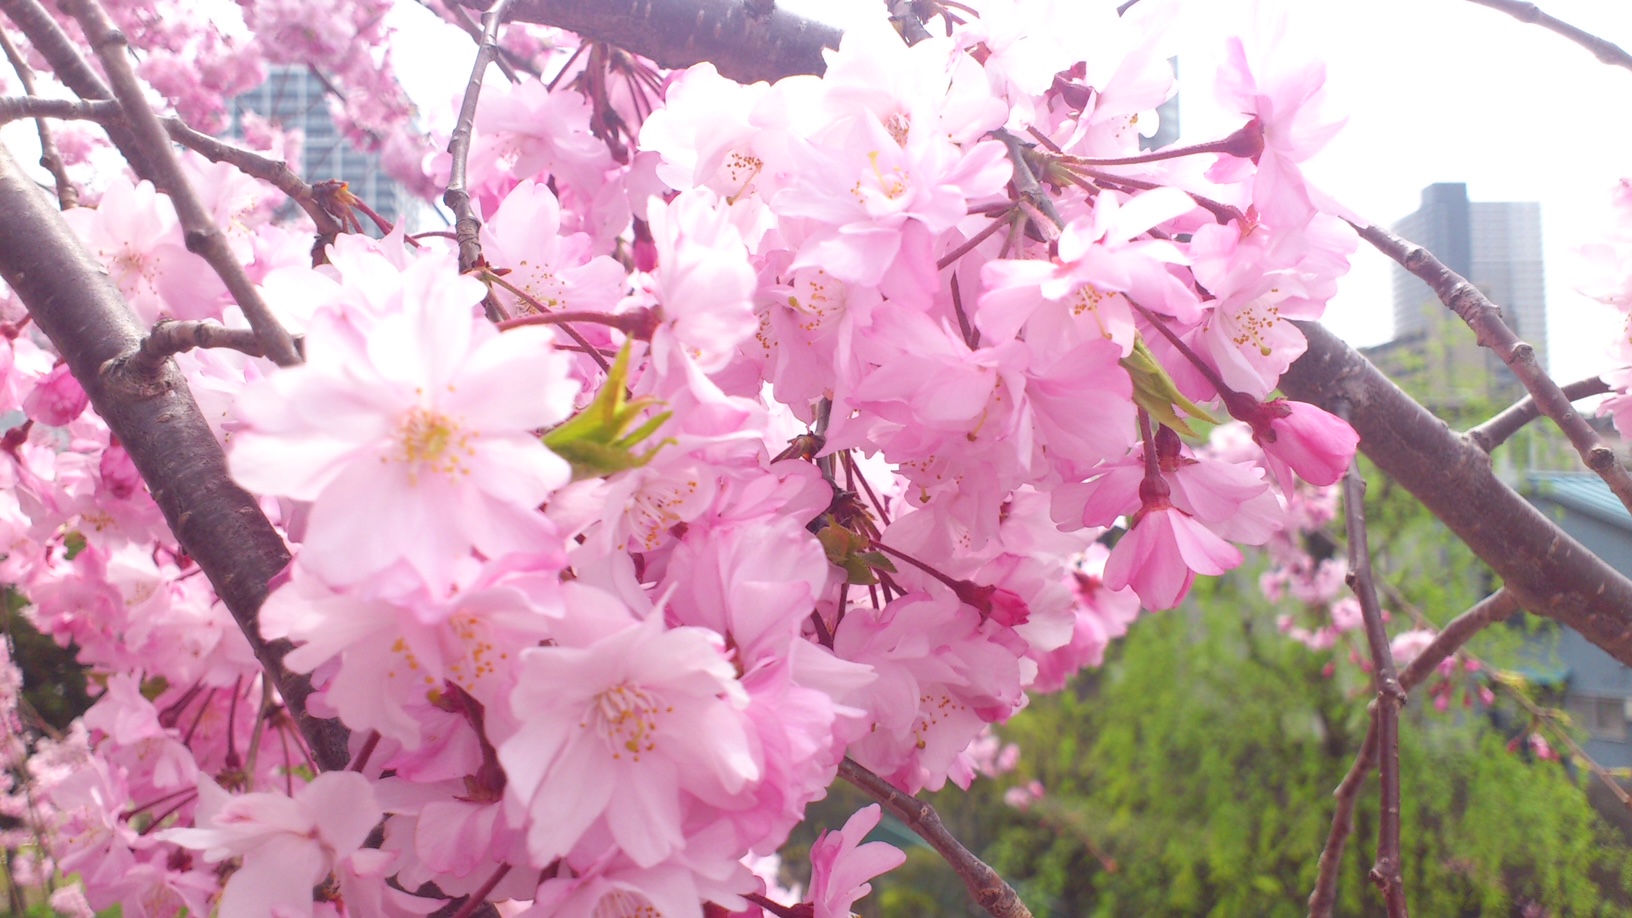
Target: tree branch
(1498, 429)
(69, 294)
(1488, 611)
(1386, 872)
(1493, 608)
(50, 157)
(171, 338)
(72, 71)
(1605, 51)
(106, 112)
(1347, 794)
(742, 45)
(994, 895)
(1485, 319)
(467, 226)
(1549, 573)
(201, 233)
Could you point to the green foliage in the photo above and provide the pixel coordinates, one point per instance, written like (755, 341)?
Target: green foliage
(1200, 767)
(54, 682)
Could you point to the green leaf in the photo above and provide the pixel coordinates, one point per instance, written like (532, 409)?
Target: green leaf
(850, 551)
(1155, 391)
(597, 441)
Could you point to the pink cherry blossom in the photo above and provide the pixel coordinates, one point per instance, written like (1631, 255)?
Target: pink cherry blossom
(619, 733)
(397, 437)
(841, 864)
(287, 844)
(57, 399)
(1160, 556)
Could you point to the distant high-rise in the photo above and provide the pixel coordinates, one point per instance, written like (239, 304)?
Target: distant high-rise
(292, 97)
(1497, 247)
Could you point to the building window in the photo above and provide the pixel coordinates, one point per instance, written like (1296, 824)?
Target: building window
(1603, 718)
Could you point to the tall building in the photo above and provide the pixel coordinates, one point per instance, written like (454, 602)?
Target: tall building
(1497, 247)
(293, 97)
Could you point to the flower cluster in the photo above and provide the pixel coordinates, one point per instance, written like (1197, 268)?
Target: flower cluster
(822, 419)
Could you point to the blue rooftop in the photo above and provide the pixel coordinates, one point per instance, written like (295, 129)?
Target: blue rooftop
(1582, 492)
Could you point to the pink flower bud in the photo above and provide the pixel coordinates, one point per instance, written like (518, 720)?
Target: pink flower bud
(119, 475)
(57, 399)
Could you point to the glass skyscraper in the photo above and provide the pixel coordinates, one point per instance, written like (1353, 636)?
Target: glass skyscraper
(292, 97)
(1497, 247)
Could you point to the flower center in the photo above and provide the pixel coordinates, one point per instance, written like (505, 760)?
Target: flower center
(432, 441)
(626, 716)
(621, 903)
(899, 125)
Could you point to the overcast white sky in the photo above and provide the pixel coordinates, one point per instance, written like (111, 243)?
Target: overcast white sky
(1435, 91)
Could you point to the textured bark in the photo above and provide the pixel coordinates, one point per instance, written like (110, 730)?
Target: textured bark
(1550, 573)
(742, 42)
(75, 303)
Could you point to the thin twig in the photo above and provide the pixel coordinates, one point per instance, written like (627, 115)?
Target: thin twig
(1550, 717)
(507, 60)
(479, 897)
(1485, 319)
(50, 156)
(467, 226)
(71, 69)
(1498, 429)
(989, 890)
(13, 108)
(1347, 795)
(170, 338)
(1493, 608)
(1386, 872)
(106, 112)
(1027, 186)
(201, 234)
(1605, 51)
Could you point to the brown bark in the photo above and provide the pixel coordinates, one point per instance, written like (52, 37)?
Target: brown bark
(1550, 573)
(75, 303)
(743, 43)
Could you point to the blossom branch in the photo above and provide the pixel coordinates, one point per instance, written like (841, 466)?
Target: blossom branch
(1386, 872)
(989, 890)
(742, 45)
(1498, 429)
(467, 226)
(1605, 51)
(1028, 188)
(1485, 319)
(1496, 607)
(69, 294)
(50, 157)
(202, 235)
(13, 108)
